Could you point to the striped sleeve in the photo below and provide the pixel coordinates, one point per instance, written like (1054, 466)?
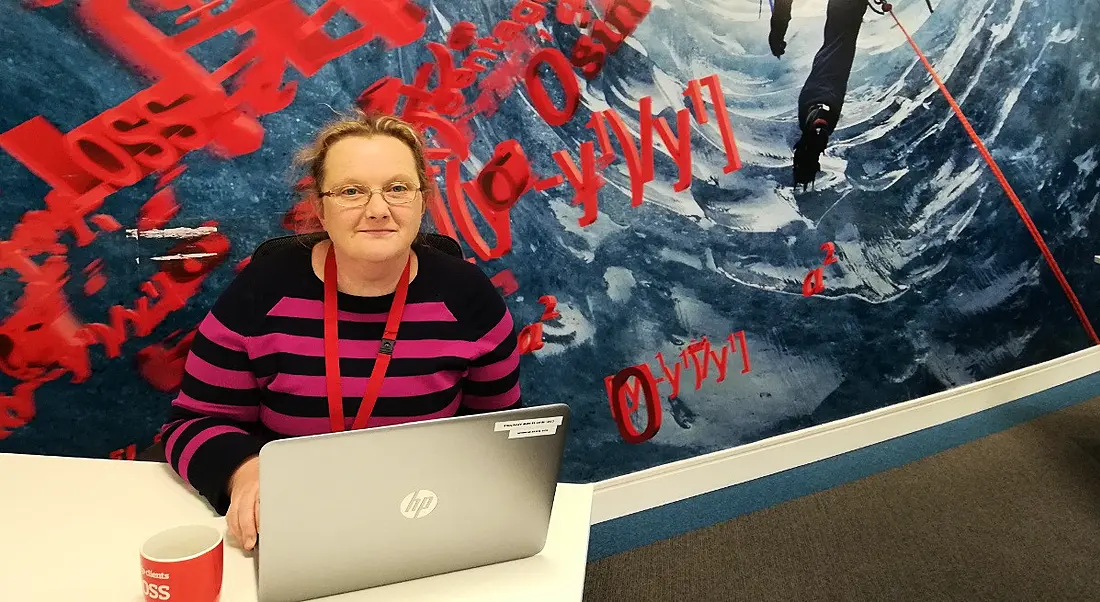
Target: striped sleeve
(492, 382)
(210, 430)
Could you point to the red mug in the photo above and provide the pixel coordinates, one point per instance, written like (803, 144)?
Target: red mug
(183, 564)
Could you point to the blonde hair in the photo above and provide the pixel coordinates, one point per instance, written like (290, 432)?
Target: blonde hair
(357, 123)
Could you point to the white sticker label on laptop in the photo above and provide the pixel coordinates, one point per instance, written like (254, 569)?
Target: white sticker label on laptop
(535, 427)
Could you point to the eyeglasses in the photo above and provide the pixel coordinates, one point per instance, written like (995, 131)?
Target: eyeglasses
(354, 195)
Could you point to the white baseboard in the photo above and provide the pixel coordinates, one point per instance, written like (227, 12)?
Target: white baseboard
(660, 485)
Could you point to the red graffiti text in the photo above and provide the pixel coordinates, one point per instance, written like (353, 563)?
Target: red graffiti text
(630, 387)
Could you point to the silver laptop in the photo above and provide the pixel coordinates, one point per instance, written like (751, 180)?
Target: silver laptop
(347, 511)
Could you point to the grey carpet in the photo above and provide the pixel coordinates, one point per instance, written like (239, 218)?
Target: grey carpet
(1012, 516)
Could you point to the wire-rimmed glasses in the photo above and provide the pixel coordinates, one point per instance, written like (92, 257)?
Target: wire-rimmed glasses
(355, 195)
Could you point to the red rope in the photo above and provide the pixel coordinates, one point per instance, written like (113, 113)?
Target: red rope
(1007, 188)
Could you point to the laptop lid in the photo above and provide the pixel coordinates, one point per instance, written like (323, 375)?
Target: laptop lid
(347, 511)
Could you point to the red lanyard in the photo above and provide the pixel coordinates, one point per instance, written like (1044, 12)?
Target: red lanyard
(332, 348)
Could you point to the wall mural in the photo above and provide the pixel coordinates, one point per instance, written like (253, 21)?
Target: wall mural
(715, 221)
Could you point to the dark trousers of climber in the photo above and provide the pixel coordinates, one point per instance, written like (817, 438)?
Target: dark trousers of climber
(828, 80)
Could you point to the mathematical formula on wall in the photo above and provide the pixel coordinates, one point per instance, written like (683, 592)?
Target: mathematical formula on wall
(628, 388)
(189, 107)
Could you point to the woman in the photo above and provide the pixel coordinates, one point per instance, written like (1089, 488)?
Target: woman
(258, 367)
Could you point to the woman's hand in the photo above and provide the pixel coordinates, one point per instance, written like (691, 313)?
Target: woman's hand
(243, 517)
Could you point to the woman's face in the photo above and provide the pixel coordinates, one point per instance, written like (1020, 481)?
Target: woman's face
(376, 230)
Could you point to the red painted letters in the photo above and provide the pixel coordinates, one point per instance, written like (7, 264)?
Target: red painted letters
(700, 353)
(814, 282)
(559, 66)
(620, 394)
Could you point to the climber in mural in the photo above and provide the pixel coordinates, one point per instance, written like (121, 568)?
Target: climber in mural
(822, 96)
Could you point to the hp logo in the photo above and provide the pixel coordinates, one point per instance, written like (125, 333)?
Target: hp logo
(418, 504)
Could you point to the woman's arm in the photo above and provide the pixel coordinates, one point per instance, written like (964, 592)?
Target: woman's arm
(210, 427)
(492, 382)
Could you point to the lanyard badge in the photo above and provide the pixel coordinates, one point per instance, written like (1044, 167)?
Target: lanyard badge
(332, 348)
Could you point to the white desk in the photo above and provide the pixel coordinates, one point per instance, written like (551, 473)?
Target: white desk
(72, 528)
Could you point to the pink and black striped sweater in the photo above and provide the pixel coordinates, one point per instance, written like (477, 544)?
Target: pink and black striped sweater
(256, 370)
